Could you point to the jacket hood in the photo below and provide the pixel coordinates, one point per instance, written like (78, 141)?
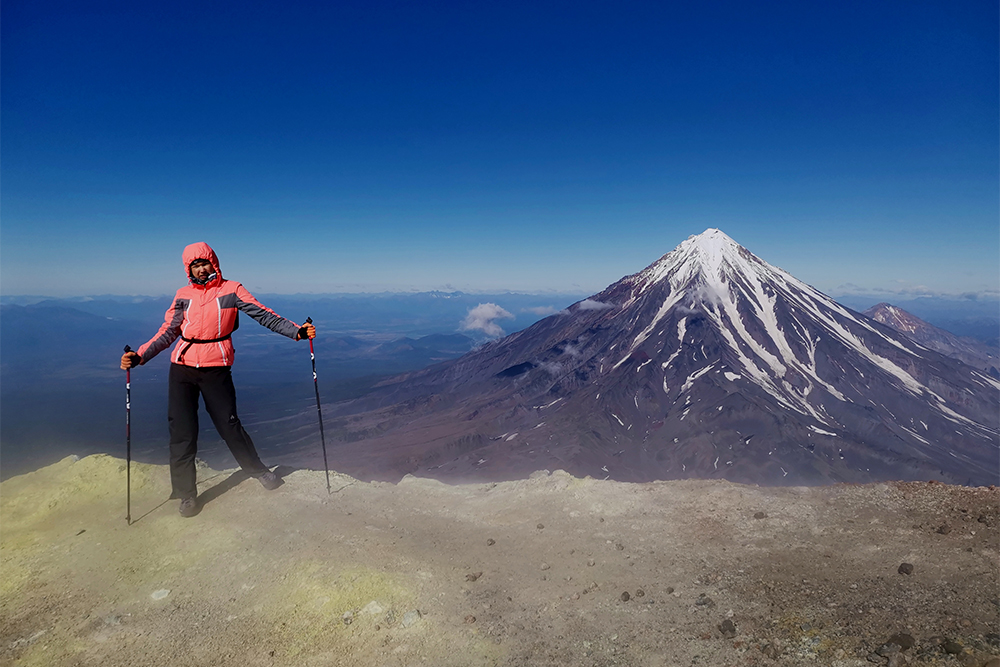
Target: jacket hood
(200, 250)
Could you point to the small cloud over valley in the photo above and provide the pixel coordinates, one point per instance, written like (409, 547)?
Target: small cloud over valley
(483, 318)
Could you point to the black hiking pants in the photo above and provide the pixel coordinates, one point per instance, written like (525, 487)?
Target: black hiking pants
(215, 385)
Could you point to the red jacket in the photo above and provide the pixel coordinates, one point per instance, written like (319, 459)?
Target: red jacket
(204, 317)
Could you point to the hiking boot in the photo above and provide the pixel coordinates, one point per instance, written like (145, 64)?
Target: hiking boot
(269, 481)
(189, 507)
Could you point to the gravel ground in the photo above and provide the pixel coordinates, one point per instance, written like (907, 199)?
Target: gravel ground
(551, 570)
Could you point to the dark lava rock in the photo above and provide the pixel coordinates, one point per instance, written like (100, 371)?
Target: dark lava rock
(944, 530)
(704, 601)
(952, 647)
(905, 568)
(728, 629)
(625, 596)
(540, 526)
(760, 515)
(490, 542)
(472, 576)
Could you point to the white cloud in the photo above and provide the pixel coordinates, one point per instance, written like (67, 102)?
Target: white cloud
(481, 318)
(590, 304)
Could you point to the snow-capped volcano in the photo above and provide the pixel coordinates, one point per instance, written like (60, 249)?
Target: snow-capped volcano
(709, 362)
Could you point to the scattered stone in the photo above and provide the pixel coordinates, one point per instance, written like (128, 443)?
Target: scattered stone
(540, 526)
(348, 617)
(992, 662)
(371, 609)
(470, 619)
(771, 650)
(887, 649)
(472, 576)
(982, 519)
(640, 593)
(760, 515)
(625, 596)
(591, 562)
(620, 546)
(670, 590)
(905, 568)
(576, 596)
(545, 566)
(728, 629)
(944, 530)
(704, 601)
(160, 594)
(490, 542)
(897, 660)
(410, 617)
(951, 646)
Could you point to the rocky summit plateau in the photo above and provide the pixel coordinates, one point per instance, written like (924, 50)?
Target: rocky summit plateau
(550, 571)
(709, 363)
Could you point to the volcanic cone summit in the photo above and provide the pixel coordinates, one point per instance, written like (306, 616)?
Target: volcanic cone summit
(710, 362)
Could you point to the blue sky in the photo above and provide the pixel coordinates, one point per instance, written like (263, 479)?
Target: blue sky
(484, 146)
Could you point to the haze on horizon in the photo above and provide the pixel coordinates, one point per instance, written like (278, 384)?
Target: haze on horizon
(525, 147)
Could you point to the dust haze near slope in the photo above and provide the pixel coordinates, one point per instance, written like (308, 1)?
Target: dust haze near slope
(527, 572)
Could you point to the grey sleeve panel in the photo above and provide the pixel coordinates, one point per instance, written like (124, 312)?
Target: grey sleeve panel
(268, 318)
(168, 334)
(228, 300)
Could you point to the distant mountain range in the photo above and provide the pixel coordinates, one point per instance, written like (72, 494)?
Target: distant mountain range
(968, 350)
(62, 393)
(708, 363)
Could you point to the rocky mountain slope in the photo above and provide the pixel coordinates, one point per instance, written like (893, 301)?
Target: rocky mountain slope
(709, 363)
(967, 350)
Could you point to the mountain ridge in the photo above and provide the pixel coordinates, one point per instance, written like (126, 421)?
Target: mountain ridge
(970, 351)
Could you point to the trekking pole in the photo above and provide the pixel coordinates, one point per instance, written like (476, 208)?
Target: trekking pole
(319, 411)
(128, 443)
